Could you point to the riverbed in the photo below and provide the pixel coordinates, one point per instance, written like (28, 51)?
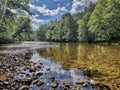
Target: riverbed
(59, 66)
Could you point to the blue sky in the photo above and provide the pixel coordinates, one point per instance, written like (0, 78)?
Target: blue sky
(47, 10)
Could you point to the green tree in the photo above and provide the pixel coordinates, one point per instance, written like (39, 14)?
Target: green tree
(40, 33)
(69, 27)
(83, 33)
(104, 21)
(11, 22)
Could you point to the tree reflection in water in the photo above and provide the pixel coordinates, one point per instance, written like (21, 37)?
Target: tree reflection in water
(101, 62)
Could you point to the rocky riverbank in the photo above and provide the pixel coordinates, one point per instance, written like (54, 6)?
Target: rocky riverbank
(18, 72)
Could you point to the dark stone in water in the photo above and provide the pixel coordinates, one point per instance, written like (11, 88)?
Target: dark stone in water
(48, 69)
(52, 78)
(80, 82)
(100, 87)
(66, 85)
(31, 70)
(39, 73)
(39, 67)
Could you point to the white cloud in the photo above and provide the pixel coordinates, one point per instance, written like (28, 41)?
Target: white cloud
(79, 5)
(31, 6)
(19, 12)
(35, 22)
(47, 12)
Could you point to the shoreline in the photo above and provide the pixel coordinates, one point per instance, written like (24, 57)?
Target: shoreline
(15, 65)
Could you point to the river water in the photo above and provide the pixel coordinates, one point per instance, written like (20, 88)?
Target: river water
(66, 62)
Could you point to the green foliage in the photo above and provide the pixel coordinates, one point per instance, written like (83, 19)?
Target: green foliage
(12, 25)
(62, 30)
(104, 21)
(83, 34)
(99, 22)
(40, 34)
(69, 27)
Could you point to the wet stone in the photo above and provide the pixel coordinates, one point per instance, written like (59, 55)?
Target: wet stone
(54, 85)
(39, 67)
(40, 83)
(6, 83)
(48, 69)
(32, 70)
(35, 81)
(12, 88)
(66, 85)
(24, 87)
(39, 73)
(75, 88)
(80, 83)
(52, 78)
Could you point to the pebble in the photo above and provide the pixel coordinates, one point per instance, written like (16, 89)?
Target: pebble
(24, 87)
(26, 80)
(54, 85)
(52, 78)
(40, 83)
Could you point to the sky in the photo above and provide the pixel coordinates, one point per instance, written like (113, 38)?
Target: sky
(47, 10)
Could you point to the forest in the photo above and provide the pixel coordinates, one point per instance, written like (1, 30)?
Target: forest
(14, 21)
(97, 23)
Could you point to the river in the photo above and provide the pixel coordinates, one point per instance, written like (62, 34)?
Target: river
(75, 64)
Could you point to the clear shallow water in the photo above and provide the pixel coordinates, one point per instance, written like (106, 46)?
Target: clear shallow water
(62, 59)
(101, 62)
(62, 76)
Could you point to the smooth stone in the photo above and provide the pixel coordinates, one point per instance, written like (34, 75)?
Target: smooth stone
(12, 88)
(40, 83)
(92, 82)
(35, 81)
(54, 85)
(24, 87)
(6, 83)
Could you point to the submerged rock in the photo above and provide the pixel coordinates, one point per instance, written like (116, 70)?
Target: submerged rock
(54, 85)
(100, 87)
(40, 83)
(52, 78)
(66, 86)
(39, 73)
(37, 82)
(24, 87)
